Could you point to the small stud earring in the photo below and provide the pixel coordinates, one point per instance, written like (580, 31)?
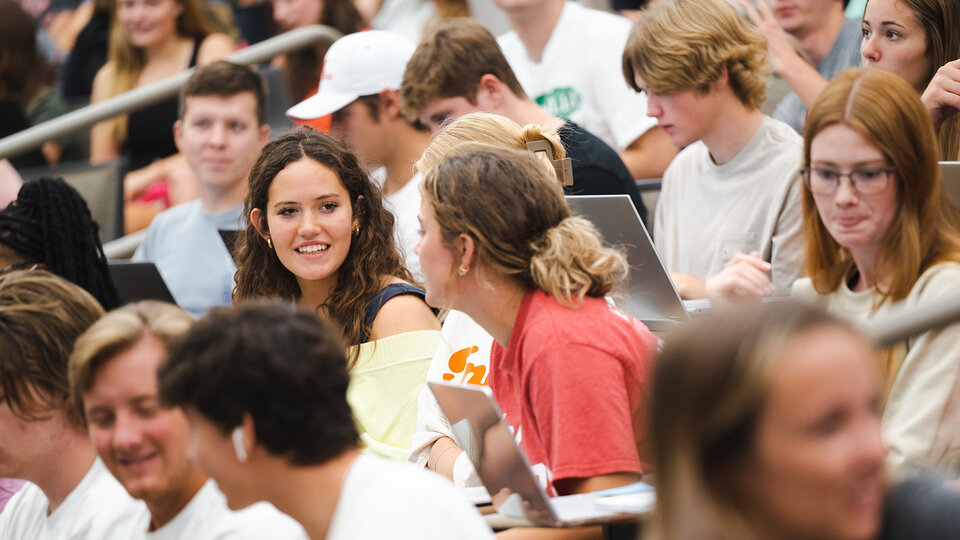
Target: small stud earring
(269, 243)
(356, 230)
(462, 270)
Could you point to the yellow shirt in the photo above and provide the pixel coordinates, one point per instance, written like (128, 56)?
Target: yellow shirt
(384, 384)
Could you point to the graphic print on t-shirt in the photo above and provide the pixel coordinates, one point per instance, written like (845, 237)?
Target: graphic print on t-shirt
(463, 372)
(560, 102)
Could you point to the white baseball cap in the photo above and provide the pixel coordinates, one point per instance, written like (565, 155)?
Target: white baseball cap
(359, 64)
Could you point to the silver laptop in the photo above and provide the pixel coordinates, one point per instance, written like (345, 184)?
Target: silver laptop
(950, 170)
(650, 295)
(480, 430)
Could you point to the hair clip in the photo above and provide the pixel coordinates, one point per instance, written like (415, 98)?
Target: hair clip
(563, 167)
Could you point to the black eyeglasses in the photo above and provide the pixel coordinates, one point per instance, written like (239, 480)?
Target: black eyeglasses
(22, 263)
(865, 181)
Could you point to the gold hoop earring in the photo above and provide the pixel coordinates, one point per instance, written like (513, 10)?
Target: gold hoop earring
(462, 270)
(270, 243)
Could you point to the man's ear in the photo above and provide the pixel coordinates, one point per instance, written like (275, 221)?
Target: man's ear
(723, 80)
(178, 134)
(264, 134)
(490, 93)
(256, 219)
(389, 104)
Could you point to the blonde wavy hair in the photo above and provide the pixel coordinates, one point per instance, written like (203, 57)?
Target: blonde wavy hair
(128, 60)
(493, 129)
(687, 44)
(520, 223)
(116, 332)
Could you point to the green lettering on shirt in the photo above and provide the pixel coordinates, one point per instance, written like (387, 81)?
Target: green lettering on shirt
(560, 102)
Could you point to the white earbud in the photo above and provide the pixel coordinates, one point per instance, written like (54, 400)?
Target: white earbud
(237, 437)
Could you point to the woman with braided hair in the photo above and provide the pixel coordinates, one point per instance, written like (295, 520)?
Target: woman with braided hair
(49, 226)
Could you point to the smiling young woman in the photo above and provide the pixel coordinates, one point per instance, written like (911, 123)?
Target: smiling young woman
(318, 234)
(151, 40)
(880, 232)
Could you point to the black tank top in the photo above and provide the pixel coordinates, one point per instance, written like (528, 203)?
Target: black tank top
(150, 129)
(386, 293)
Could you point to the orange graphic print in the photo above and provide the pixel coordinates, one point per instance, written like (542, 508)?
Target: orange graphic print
(458, 364)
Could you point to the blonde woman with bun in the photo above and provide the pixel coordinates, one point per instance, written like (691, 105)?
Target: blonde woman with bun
(569, 371)
(491, 129)
(464, 352)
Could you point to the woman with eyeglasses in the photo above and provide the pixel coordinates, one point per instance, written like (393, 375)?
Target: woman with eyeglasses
(881, 233)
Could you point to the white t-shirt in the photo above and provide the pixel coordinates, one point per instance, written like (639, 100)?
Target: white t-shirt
(404, 204)
(386, 499)
(207, 517)
(579, 76)
(708, 212)
(404, 17)
(98, 508)
(462, 357)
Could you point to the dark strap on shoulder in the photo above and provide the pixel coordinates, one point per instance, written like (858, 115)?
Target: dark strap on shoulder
(385, 294)
(196, 51)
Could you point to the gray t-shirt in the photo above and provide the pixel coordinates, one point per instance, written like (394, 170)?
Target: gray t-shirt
(844, 54)
(186, 246)
(707, 213)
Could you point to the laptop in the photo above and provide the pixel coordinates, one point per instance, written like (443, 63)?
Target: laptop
(950, 170)
(229, 238)
(139, 281)
(650, 295)
(479, 429)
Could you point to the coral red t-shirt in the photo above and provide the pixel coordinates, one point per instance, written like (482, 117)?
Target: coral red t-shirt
(572, 384)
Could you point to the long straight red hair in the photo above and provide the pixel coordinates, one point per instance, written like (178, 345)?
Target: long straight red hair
(887, 111)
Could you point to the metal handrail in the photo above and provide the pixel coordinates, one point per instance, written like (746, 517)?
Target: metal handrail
(138, 98)
(900, 324)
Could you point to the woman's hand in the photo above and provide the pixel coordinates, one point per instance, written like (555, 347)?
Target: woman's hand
(745, 276)
(942, 96)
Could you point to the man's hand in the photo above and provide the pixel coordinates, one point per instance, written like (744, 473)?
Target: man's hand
(745, 276)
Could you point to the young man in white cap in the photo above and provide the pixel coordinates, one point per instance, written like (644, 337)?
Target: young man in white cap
(359, 86)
